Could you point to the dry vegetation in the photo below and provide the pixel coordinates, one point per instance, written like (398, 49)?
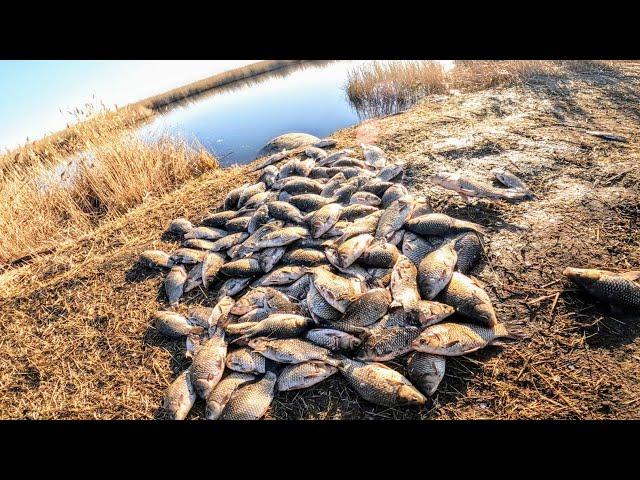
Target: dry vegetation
(75, 340)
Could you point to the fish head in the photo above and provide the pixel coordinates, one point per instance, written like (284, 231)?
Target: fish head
(213, 411)
(426, 342)
(408, 395)
(585, 277)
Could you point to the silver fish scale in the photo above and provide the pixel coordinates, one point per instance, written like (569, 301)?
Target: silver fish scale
(303, 375)
(251, 401)
(289, 350)
(318, 306)
(222, 392)
(208, 365)
(366, 310)
(469, 250)
(416, 247)
(379, 255)
(426, 371)
(245, 360)
(617, 290)
(469, 299)
(332, 339)
(308, 257)
(388, 343)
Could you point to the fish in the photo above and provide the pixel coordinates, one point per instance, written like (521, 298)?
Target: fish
(233, 286)
(305, 257)
(404, 285)
(379, 255)
(319, 308)
(315, 153)
(393, 218)
(620, 290)
(376, 186)
(392, 173)
(304, 166)
(285, 211)
(269, 175)
(187, 256)
(298, 289)
(174, 284)
(337, 291)
(420, 208)
(179, 397)
(354, 212)
(435, 270)
(366, 310)
(245, 360)
(349, 172)
(275, 158)
(467, 187)
(259, 218)
(319, 172)
(282, 276)
(469, 249)
(180, 226)
(289, 168)
(350, 250)
(269, 257)
(194, 278)
(251, 401)
(229, 241)
(394, 193)
(254, 315)
(362, 225)
(426, 371)
(208, 362)
(205, 233)
(219, 219)
(325, 143)
(250, 191)
(249, 245)
(441, 225)
(455, 339)
(510, 180)
(373, 155)
(333, 185)
(281, 237)
(231, 200)
(469, 299)
(156, 259)
(197, 243)
(279, 325)
(239, 224)
(174, 325)
(380, 276)
(430, 312)
(334, 157)
(245, 267)
(288, 350)
(303, 375)
(323, 219)
(365, 198)
(379, 384)
(344, 193)
(211, 266)
(350, 162)
(387, 343)
(222, 392)
(256, 200)
(308, 202)
(332, 339)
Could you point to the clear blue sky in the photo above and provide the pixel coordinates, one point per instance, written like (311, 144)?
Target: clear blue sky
(32, 92)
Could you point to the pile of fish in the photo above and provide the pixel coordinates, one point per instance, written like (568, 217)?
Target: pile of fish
(326, 265)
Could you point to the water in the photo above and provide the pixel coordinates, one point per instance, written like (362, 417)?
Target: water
(234, 122)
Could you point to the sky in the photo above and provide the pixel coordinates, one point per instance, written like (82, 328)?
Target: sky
(33, 92)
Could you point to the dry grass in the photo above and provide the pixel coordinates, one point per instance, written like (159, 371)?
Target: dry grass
(480, 74)
(381, 88)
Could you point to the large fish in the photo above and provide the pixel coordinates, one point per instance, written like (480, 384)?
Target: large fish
(387, 343)
(416, 247)
(179, 397)
(469, 249)
(404, 285)
(175, 325)
(339, 292)
(467, 187)
(174, 284)
(251, 400)
(393, 218)
(288, 350)
(435, 270)
(323, 219)
(156, 259)
(620, 290)
(332, 339)
(222, 392)
(245, 360)
(510, 180)
(469, 299)
(366, 310)
(426, 371)
(278, 325)
(303, 375)
(454, 339)
(208, 362)
(441, 225)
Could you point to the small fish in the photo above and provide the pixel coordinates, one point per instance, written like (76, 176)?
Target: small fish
(259, 218)
(205, 233)
(333, 339)
(275, 158)
(379, 255)
(435, 270)
(269, 257)
(621, 290)
(318, 307)
(279, 325)
(229, 241)
(394, 193)
(441, 225)
(323, 219)
(607, 136)
(211, 265)
(222, 392)
(249, 245)
(362, 225)
(269, 175)
(208, 362)
(285, 211)
(288, 350)
(379, 384)
(469, 299)
(430, 313)
(454, 339)
(510, 180)
(289, 168)
(373, 155)
(194, 278)
(308, 202)
(350, 250)
(392, 173)
(231, 200)
(366, 310)
(303, 375)
(344, 193)
(315, 153)
(220, 219)
(319, 172)
(239, 224)
(416, 247)
(469, 249)
(325, 143)
(233, 286)
(245, 267)
(350, 162)
(245, 360)
(188, 256)
(282, 276)
(281, 237)
(156, 259)
(337, 291)
(174, 284)
(305, 257)
(334, 157)
(376, 186)
(393, 218)
(387, 343)
(426, 371)
(404, 284)
(365, 198)
(180, 226)
(354, 212)
(174, 325)
(251, 401)
(333, 185)
(198, 243)
(179, 397)
(249, 192)
(467, 187)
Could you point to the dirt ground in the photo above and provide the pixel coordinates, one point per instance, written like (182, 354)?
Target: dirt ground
(75, 340)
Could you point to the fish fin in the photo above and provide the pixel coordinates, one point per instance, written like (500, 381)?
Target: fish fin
(477, 282)
(451, 344)
(633, 275)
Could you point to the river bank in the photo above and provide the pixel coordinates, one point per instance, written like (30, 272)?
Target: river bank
(76, 341)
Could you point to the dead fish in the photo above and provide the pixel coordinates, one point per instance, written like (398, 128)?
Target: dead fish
(469, 299)
(285, 211)
(469, 249)
(404, 284)
(325, 143)
(174, 325)
(607, 136)
(354, 212)
(254, 315)
(248, 246)
(251, 401)
(304, 166)
(245, 360)
(392, 173)
(454, 339)
(281, 237)
(363, 225)
(305, 257)
(333, 185)
(364, 311)
(208, 362)
(233, 286)
(621, 290)
(288, 350)
(261, 297)
(315, 153)
(376, 186)
(238, 224)
(380, 276)
(220, 219)
(188, 256)
(373, 155)
(379, 384)
(275, 158)
(222, 392)
(393, 193)
(379, 255)
(420, 208)
(396, 238)
(288, 169)
(174, 284)
(229, 241)
(393, 218)
(365, 198)
(278, 325)
(430, 312)
(205, 233)
(323, 219)
(256, 200)
(344, 193)
(441, 225)
(179, 397)
(350, 162)
(180, 226)
(259, 218)
(426, 371)
(303, 375)
(198, 243)
(387, 343)
(298, 289)
(416, 247)
(194, 278)
(345, 152)
(245, 267)
(282, 276)
(211, 265)
(318, 307)
(435, 270)
(308, 202)
(510, 180)
(319, 172)
(333, 339)
(269, 257)
(249, 192)
(156, 259)
(231, 200)
(269, 175)
(467, 187)
(298, 185)
(350, 172)
(208, 317)
(350, 250)
(337, 291)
